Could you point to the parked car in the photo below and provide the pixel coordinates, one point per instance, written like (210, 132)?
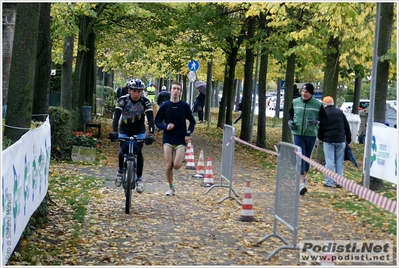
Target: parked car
(272, 103)
(347, 106)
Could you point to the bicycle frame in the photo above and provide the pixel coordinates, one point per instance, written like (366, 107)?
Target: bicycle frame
(129, 169)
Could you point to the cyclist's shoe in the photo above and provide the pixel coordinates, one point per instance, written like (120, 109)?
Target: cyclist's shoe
(170, 192)
(118, 182)
(139, 187)
(119, 173)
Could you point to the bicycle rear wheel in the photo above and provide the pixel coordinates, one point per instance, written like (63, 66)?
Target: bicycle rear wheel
(129, 180)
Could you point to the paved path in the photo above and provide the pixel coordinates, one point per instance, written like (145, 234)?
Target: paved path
(192, 228)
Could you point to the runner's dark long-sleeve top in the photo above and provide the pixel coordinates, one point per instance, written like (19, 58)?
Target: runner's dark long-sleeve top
(176, 113)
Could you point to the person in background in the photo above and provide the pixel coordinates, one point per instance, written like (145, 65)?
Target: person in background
(151, 93)
(335, 134)
(296, 92)
(171, 118)
(133, 108)
(163, 96)
(121, 91)
(239, 108)
(199, 104)
(304, 117)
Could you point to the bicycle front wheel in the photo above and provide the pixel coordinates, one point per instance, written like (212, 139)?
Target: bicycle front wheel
(129, 180)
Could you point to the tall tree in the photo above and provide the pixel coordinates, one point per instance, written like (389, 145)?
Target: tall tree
(248, 84)
(384, 44)
(22, 71)
(43, 62)
(66, 75)
(86, 24)
(264, 60)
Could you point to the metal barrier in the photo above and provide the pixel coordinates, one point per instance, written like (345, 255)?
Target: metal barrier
(286, 207)
(227, 163)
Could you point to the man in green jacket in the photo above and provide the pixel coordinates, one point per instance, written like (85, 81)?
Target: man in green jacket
(304, 117)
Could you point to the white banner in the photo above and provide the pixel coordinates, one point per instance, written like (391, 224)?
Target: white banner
(25, 167)
(384, 153)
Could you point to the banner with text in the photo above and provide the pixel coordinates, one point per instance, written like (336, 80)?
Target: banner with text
(25, 167)
(384, 153)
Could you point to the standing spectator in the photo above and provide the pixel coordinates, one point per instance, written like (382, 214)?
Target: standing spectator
(296, 92)
(171, 118)
(151, 93)
(133, 108)
(121, 91)
(239, 108)
(198, 106)
(334, 134)
(304, 117)
(163, 96)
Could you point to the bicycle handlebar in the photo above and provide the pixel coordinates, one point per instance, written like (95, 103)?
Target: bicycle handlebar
(133, 138)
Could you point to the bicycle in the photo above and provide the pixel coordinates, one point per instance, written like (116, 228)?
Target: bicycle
(129, 176)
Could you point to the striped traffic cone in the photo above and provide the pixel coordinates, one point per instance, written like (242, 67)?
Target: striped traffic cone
(200, 171)
(190, 160)
(247, 213)
(208, 179)
(188, 150)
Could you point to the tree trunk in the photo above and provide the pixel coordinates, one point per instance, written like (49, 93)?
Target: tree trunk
(208, 96)
(22, 71)
(248, 84)
(330, 82)
(288, 96)
(264, 61)
(384, 44)
(356, 94)
(66, 76)
(86, 25)
(228, 87)
(43, 64)
(91, 74)
(261, 131)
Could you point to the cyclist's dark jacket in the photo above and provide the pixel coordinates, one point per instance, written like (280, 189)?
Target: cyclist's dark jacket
(170, 112)
(133, 113)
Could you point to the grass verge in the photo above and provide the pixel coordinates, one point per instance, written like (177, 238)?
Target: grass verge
(70, 195)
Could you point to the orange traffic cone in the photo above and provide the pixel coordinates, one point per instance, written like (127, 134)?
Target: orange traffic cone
(208, 179)
(190, 159)
(188, 150)
(247, 213)
(200, 171)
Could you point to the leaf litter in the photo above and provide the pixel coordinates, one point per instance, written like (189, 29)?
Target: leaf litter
(190, 228)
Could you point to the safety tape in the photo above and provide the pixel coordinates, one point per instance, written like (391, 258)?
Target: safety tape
(255, 147)
(373, 197)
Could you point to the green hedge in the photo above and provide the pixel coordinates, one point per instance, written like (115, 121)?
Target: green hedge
(61, 133)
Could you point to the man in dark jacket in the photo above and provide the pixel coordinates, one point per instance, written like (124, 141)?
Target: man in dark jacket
(163, 96)
(121, 91)
(335, 135)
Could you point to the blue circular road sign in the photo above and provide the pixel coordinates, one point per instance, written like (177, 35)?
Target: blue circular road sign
(193, 65)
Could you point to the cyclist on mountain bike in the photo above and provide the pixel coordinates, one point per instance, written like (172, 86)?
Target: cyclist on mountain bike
(133, 107)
